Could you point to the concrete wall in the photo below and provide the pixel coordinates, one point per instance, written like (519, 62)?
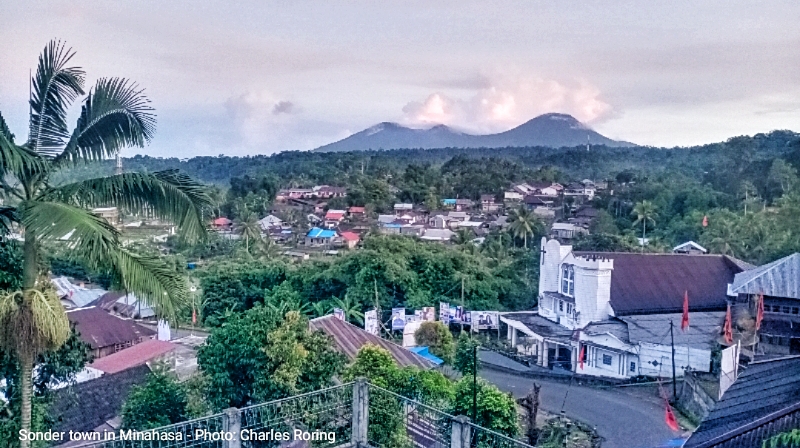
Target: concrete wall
(698, 359)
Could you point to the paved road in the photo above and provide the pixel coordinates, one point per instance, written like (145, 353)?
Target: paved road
(624, 420)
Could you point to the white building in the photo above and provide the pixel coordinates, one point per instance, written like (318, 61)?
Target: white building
(617, 307)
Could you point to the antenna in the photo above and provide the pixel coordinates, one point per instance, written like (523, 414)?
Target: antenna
(587, 142)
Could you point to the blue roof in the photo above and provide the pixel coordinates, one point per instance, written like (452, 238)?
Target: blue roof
(316, 232)
(449, 201)
(392, 225)
(423, 351)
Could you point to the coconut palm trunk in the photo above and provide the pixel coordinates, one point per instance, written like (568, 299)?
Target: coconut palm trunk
(115, 114)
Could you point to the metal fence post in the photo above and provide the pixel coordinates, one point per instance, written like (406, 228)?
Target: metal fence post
(460, 435)
(360, 412)
(232, 423)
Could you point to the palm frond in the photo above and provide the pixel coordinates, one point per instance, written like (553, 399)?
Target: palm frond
(14, 159)
(7, 216)
(54, 87)
(115, 115)
(54, 221)
(155, 283)
(169, 195)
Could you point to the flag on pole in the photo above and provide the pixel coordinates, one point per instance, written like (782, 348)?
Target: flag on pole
(194, 317)
(760, 312)
(728, 326)
(582, 356)
(685, 319)
(705, 221)
(670, 419)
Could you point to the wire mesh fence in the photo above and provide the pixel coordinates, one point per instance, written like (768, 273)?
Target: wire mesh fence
(481, 437)
(397, 422)
(206, 432)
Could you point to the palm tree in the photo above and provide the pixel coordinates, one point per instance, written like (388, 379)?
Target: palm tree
(645, 211)
(351, 308)
(522, 222)
(249, 228)
(115, 114)
(462, 237)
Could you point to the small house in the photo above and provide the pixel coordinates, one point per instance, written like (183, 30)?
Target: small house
(488, 205)
(350, 239)
(689, 247)
(333, 218)
(269, 222)
(320, 237)
(356, 212)
(106, 333)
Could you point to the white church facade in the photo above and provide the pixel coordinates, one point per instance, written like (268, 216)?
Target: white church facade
(617, 308)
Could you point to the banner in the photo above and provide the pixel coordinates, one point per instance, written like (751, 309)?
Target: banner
(429, 313)
(419, 315)
(486, 320)
(398, 318)
(444, 312)
(338, 313)
(459, 316)
(371, 322)
(466, 317)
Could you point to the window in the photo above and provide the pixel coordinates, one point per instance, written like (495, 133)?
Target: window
(560, 305)
(607, 360)
(786, 309)
(776, 308)
(568, 280)
(795, 310)
(633, 367)
(569, 308)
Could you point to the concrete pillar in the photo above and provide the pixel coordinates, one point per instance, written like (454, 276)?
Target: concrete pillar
(539, 351)
(574, 357)
(545, 354)
(360, 423)
(513, 337)
(509, 330)
(461, 432)
(232, 423)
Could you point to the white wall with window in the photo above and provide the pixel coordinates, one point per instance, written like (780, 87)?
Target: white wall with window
(607, 363)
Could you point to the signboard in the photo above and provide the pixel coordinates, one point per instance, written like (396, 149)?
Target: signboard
(429, 313)
(398, 318)
(729, 368)
(444, 312)
(486, 320)
(338, 313)
(459, 315)
(371, 322)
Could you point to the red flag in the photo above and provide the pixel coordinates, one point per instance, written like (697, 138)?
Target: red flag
(685, 320)
(728, 326)
(194, 317)
(705, 221)
(760, 312)
(582, 356)
(670, 419)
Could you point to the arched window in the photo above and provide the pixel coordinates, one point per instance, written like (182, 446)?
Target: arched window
(568, 280)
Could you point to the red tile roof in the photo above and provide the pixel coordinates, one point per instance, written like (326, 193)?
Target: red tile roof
(334, 215)
(356, 210)
(349, 339)
(350, 236)
(101, 329)
(219, 222)
(133, 356)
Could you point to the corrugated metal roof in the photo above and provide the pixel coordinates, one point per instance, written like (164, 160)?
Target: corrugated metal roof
(349, 339)
(781, 278)
(655, 283)
(316, 232)
(101, 329)
(763, 389)
(133, 356)
(704, 328)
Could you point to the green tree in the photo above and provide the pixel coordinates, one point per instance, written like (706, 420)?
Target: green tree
(160, 401)
(464, 360)
(645, 212)
(260, 356)
(351, 308)
(788, 439)
(115, 114)
(437, 337)
(249, 228)
(496, 410)
(522, 222)
(782, 178)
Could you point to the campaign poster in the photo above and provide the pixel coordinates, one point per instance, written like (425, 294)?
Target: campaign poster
(338, 313)
(428, 314)
(371, 322)
(398, 318)
(444, 312)
(467, 317)
(419, 315)
(486, 320)
(459, 315)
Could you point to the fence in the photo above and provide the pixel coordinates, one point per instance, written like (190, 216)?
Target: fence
(356, 414)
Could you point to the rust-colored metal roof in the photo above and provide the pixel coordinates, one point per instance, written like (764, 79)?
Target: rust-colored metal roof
(655, 283)
(349, 339)
(101, 329)
(133, 356)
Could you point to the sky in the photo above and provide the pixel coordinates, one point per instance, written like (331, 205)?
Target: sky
(259, 77)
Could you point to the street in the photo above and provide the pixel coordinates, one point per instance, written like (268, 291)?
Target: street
(622, 418)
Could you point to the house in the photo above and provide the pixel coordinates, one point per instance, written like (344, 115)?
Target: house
(403, 207)
(464, 204)
(349, 339)
(586, 212)
(222, 223)
(328, 192)
(320, 237)
(124, 304)
(356, 212)
(333, 218)
(75, 296)
(566, 231)
(106, 333)
(488, 205)
(457, 216)
(438, 221)
(437, 235)
(762, 402)
(578, 189)
(449, 203)
(139, 354)
(689, 247)
(350, 239)
(386, 219)
(110, 214)
(512, 196)
(618, 306)
(299, 193)
(779, 282)
(270, 222)
(549, 189)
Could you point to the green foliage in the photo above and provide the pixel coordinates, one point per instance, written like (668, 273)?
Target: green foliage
(789, 439)
(437, 337)
(260, 356)
(464, 358)
(158, 402)
(496, 410)
(10, 265)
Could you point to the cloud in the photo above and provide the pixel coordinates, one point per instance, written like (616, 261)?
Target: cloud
(283, 107)
(507, 101)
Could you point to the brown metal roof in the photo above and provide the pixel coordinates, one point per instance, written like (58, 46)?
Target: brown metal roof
(655, 283)
(101, 329)
(349, 339)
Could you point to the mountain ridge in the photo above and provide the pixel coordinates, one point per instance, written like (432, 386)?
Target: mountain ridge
(553, 130)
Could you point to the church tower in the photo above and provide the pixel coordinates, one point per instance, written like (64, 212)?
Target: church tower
(118, 167)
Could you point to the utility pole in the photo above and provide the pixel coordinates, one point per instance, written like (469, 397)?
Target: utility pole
(462, 305)
(672, 337)
(475, 384)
